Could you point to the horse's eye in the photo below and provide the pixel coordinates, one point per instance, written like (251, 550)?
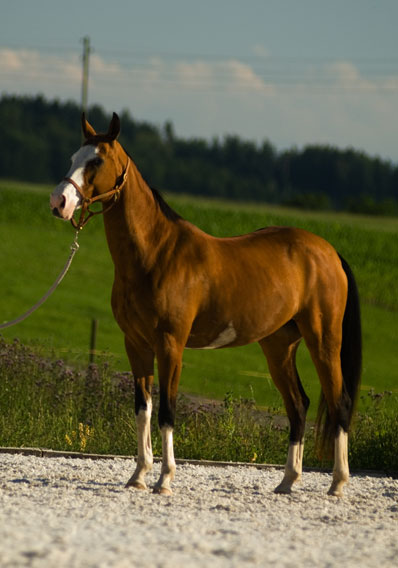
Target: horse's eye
(95, 163)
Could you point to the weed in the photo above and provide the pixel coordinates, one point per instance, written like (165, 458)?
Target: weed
(374, 440)
(77, 440)
(49, 404)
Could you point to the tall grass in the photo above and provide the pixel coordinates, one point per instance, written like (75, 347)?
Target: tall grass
(49, 404)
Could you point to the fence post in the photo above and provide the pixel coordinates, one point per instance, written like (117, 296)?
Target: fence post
(93, 340)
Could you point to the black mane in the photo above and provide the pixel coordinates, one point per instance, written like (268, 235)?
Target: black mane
(165, 208)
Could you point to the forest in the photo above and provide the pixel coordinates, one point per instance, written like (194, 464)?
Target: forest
(38, 137)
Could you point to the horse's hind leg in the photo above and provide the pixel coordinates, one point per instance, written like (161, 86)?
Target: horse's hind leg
(141, 361)
(323, 336)
(280, 350)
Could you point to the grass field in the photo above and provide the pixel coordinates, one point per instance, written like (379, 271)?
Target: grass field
(35, 246)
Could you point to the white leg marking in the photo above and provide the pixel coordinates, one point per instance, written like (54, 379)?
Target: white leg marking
(144, 457)
(340, 470)
(293, 468)
(168, 463)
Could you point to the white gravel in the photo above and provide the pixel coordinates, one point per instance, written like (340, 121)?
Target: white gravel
(72, 512)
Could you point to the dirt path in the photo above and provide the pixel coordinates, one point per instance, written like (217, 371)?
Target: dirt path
(70, 513)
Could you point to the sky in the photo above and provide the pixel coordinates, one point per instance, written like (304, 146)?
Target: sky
(293, 72)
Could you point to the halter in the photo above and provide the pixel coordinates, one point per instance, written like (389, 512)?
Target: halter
(87, 201)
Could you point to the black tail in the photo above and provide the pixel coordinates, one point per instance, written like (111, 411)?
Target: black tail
(351, 366)
(351, 348)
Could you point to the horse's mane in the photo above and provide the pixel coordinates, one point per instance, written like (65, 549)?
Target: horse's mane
(164, 207)
(97, 139)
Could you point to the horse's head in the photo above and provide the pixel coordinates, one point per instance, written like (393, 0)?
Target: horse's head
(95, 171)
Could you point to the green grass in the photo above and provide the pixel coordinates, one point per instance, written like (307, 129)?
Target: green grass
(35, 247)
(48, 404)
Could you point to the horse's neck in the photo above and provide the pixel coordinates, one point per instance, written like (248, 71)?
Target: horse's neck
(136, 229)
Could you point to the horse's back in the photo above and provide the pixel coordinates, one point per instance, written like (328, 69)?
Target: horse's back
(253, 284)
(277, 249)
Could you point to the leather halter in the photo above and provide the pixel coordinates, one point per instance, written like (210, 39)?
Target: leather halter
(87, 201)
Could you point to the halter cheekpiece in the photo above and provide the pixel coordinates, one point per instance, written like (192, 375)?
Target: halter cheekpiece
(87, 201)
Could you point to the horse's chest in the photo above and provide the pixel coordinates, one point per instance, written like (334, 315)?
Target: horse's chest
(131, 306)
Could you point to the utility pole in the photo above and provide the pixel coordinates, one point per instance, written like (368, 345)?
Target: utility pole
(86, 55)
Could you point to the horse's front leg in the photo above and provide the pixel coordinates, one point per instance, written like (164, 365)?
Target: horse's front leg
(142, 365)
(169, 357)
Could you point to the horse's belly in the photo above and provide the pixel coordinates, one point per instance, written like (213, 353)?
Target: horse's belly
(224, 338)
(230, 334)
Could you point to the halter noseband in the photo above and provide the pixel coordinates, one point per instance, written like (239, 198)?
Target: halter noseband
(87, 201)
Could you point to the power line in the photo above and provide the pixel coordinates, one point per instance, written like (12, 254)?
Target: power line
(184, 55)
(315, 74)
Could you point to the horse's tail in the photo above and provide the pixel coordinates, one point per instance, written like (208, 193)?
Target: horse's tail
(351, 367)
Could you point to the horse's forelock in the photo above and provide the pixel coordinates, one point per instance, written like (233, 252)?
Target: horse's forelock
(98, 139)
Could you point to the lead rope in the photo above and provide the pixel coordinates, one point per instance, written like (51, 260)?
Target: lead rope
(74, 248)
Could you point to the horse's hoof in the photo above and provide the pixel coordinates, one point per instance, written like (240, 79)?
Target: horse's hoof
(136, 485)
(162, 491)
(336, 489)
(335, 492)
(283, 489)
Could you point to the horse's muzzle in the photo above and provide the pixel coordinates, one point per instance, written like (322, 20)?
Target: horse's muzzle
(56, 212)
(57, 205)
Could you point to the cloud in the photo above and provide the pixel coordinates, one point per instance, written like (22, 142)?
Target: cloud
(224, 75)
(290, 102)
(344, 74)
(260, 50)
(99, 66)
(29, 71)
(201, 76)
(10, 60)
(229, 75)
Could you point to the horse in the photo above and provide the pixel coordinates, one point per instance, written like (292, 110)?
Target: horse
(177, 287)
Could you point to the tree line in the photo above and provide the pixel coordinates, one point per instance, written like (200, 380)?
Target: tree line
(38, 137)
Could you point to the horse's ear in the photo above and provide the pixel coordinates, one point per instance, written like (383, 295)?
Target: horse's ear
(114, 127)
(88, 130)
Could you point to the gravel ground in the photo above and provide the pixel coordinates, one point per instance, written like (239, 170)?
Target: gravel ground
(76, 512)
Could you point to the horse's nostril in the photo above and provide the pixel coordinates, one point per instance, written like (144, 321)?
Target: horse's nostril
(56, 212)
(63, 202)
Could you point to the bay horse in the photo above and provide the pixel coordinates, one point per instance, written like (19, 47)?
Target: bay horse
(177, 287)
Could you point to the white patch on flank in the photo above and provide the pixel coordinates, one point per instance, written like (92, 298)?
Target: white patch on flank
(225, 338)
(65, 192)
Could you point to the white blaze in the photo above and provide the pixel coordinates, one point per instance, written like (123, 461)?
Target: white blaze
(79, 162)
(65, 193)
